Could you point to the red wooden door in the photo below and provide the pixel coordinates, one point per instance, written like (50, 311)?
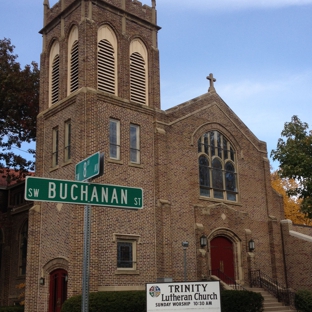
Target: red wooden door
(58, 290)
(222, 259)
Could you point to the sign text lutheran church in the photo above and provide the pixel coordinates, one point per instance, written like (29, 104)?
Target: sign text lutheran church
(195, 296)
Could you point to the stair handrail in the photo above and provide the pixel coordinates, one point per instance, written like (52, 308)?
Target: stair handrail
(226, 279)
(275, 288)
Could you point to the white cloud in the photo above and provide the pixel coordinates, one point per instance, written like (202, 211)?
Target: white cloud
(231, 4)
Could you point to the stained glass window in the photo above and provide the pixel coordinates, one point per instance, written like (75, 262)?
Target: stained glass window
(217, 168)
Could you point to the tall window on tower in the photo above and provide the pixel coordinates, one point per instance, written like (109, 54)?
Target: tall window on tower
(73, 63)
(114, 139)
(107, 60)
(138, 72)
(55, 150)
(217, 167)
(134, 143)
(54, 74)
(67, 146)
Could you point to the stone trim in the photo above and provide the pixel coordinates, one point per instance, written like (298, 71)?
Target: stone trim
(57, 263)
(301, 236)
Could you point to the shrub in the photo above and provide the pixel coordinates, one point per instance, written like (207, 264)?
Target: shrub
(303, 301)
(114, 301)
(12, 309)
(241, 301)
(135, 301)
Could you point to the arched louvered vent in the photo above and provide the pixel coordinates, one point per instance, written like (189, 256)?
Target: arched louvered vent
(137, 78)
(106, 67)
(74, 67)
(55, 79)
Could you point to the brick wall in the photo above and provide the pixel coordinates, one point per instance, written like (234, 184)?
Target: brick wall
(298, 251)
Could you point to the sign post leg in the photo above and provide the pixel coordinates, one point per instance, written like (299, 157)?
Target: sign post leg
(86, 259)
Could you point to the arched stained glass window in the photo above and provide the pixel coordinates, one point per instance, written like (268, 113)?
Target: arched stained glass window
(217, 168)
(204, 177)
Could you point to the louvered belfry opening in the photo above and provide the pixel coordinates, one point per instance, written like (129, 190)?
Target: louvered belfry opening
(74, 67)
(106, 67)
(55, 79)
(137, 78)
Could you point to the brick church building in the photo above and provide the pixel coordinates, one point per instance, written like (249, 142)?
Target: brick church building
(205, 176)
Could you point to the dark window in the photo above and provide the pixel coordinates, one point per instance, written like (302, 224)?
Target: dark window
(124, 255)
(23, 248)
(204, 176)
(135, 144)
(114, 139)
(55, 151)
(67, 140)
(1, 243)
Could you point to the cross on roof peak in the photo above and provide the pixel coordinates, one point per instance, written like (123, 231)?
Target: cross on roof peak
(212, 80)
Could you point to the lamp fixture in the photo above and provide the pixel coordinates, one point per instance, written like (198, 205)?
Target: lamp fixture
(203, 241)
(185, 244)
(251, 245)
(41, 281)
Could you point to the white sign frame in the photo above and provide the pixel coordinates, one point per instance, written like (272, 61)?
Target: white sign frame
(202, 296)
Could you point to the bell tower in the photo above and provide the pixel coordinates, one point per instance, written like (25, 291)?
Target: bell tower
(99, 92)
(97, 56)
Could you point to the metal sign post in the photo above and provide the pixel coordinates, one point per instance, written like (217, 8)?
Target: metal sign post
(86, 259)
(84, 170)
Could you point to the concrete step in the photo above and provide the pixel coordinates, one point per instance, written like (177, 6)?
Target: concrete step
(271, 303)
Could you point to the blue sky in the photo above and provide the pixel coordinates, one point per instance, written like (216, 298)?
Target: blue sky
(260, 52)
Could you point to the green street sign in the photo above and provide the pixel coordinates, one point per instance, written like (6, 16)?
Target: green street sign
(88, 168)
(82, 193)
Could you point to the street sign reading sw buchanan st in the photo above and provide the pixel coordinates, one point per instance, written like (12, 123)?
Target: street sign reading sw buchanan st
(74, 192)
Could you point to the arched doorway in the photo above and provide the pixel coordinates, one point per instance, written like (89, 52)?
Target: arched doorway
(58, 290)
(222, 259)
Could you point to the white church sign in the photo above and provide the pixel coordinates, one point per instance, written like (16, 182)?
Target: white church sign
(181, 297)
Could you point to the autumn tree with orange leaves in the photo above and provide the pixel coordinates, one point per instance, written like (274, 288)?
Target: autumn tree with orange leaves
(291, 203)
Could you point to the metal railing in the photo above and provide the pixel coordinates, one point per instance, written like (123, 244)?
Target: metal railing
(279, 291)
(226, 279)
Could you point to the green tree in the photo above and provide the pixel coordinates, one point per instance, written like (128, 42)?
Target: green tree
(19, 103)
(294, 154)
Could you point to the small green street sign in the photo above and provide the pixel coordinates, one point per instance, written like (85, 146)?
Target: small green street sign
(88, 168)
(75, 192)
